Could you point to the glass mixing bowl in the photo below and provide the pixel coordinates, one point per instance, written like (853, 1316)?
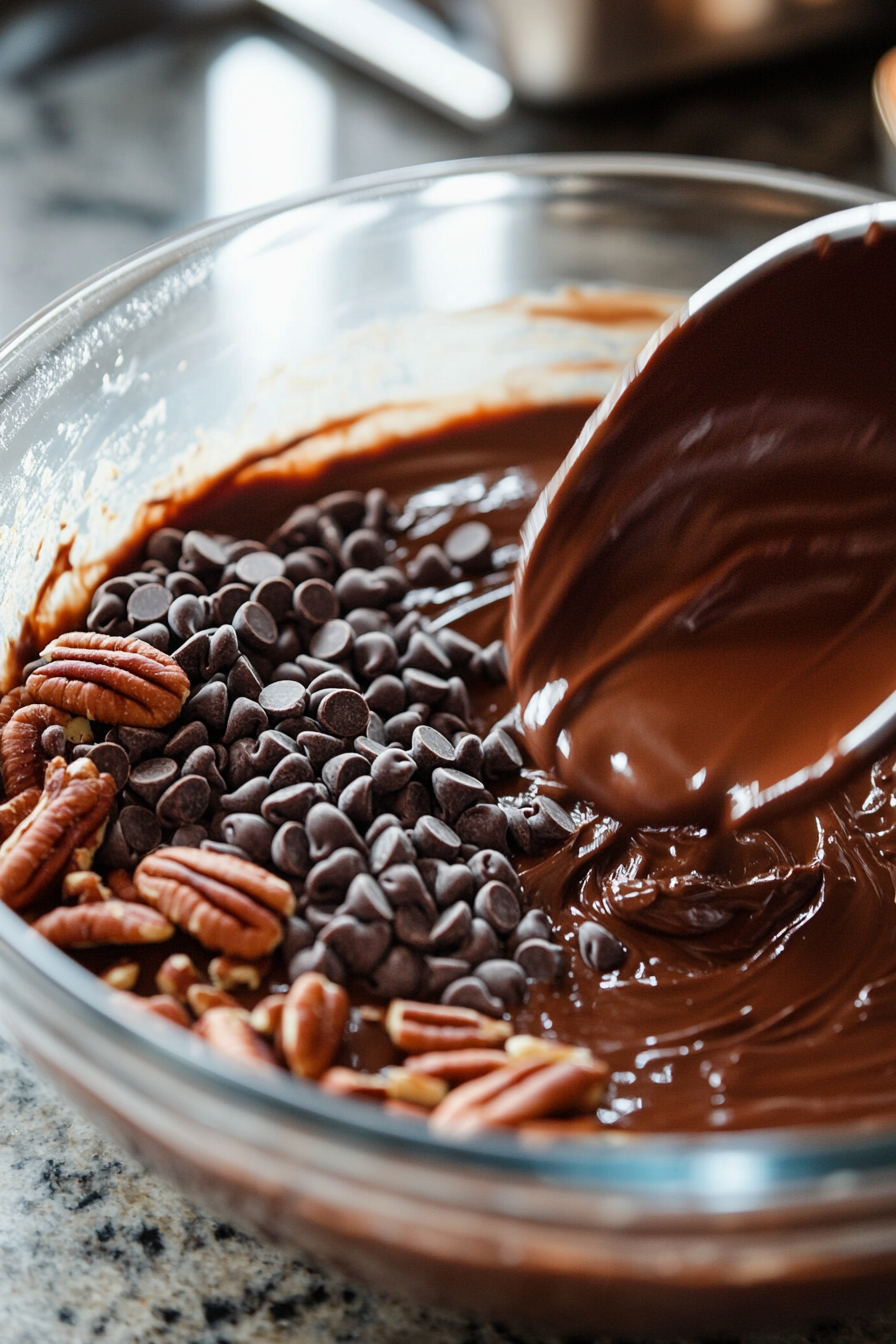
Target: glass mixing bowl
(240, 334)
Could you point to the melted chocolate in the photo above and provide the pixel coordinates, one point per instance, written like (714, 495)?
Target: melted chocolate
(707, 612)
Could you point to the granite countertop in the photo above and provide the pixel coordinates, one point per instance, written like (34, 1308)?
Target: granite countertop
(103, 154)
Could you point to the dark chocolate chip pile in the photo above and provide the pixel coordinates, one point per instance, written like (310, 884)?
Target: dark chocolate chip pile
(328, 736)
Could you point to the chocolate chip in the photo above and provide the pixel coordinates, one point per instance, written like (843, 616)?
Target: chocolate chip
(344, 713)
(151, 778)
(53, 743)
(393, 845)
(484, 826)
(292, 803)
(455, 792)
(430, 567)
(482, 945)
(441, 971)
(270, 749)
(282, 697)
(400, 975)
(192, 656)
(275, 595)
(518, 832)
(338, 772)
(186, 615)
(497, 903)
(425, 655)
(332, 679)
(471, 992)
(452, 928)
(227, 601)
(374, 654)
(377, 509)
(246, 719)
(458, 648)
(366, 747)
(184, 585)
(333, 640)
(157, 635)
(356, 801)
(423, 686)
(540, 960)
(368, 621)
(250, 833)
(140, 829)
(500, 754)
(360, 946)
(403, 885)
(209, 704)
(311, 562)
(330, 878)
(387, 695)
(293, 769)
(366, 900)
(435, 840)
(257, 566)
(149, 602)
(345, 507)
(411, 803)
(289, 849)
(489, 865)
(503, 978)
(111, 760)
(600, 950)
(470, 546)
(297, 935)
(534, 924)
(184, 802)
(243, 682)
(375, 731)
(364, 548)
(203, 761)
(550, 823)
(165, 544)
(300, 529)
(454, 882)
(455, 704)
(402, 632)
(223, 649)
(382, 823)
(362, 588)
(431, 749)
(468, 754)
(412, 927)
(255, 626)
(190, 837)
(391, 770)
(202, 552)
(321, 959)
(249, 797)
(329, 829)
(315, 601)
(492, 662)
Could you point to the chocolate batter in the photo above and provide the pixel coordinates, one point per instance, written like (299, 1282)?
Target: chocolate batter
(760, 982)
(708, 608)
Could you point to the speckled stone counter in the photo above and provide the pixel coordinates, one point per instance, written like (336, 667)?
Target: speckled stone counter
(102, 155)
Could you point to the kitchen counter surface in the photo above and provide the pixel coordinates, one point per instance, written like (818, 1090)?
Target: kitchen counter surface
(101, 155)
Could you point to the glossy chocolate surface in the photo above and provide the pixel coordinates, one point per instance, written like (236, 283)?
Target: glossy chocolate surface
(706, 621)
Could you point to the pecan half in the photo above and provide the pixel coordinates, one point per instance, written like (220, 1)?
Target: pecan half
(533, 1089)
(227, 1030)
(311, 1026)
(17, 809)
(393, 1084)
(457, 1066)
(103, 923)
(341, 1082)
(13, 700)
(67, 821)
(157, 1005)
(22, 758)
(113, 678)
(417, 1027)
(224, 901)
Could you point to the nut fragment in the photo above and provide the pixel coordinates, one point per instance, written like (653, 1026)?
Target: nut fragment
(219, 898)
(267, 1015)
(17, 809)
(66, 825)
(85, 888)
(202, 998)
(417, 1088)
(541, 1047)
(311, 1027)
(175, 976)
(230, 973)
(343, 1082)
(123, 975)
(419, 1027)
(104, 923)
(158, 1005)
(21, 754)
(531, 1089)
(227, 1030)
(116, 679)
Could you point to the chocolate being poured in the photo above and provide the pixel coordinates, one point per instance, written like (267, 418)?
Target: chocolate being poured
(704, 627)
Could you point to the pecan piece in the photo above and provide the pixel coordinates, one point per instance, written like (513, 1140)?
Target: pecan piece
(267, 1015)
(230, 973)
(202, 998)
(341, 1082)
(228, 1031)
(21, 755)
(15, 699)
(533, 1089)
(113, 678)
(84, 888)
(17, 809)
(311, 1026)
(157, 1005)
(393, 1084)
(123, 975)
(66, 826)
(418, 1027)
(176, 975)
(457, 1066)
(224, 901)
(103, 923)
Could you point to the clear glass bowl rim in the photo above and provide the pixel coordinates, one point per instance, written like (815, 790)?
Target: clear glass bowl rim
(793, 1158)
